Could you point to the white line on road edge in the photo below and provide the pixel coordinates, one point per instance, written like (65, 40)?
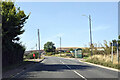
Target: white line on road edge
(73, 70)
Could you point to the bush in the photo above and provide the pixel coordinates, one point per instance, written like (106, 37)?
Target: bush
(63, 55)
(56, 52)
(30, 56)
(12, 54)
(49, 53)
(98, 52)
(71, 55)
(68, 54)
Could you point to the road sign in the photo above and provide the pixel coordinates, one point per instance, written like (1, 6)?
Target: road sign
(33, 55)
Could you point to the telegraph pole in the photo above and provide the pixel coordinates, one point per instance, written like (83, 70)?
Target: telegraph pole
(39, 42)
(90, 34)
(89, 17)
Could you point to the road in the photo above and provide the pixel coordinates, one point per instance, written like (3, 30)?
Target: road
(56, 67)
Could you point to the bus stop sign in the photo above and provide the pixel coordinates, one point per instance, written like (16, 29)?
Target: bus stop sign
(33, 55)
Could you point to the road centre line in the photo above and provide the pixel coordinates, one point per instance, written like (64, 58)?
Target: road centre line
(73, 70)
(80, 75)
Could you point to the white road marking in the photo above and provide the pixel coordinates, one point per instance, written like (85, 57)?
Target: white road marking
(80, 75)
(73, 70)
(68, 67)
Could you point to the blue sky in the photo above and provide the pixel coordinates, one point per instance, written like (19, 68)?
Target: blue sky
(65, 19)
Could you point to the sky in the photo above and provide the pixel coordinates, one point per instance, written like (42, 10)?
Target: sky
(55, 19)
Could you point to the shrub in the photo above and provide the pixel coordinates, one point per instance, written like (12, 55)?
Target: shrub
(30, 56)
(49, 53)
(56, 52)
(98, 52)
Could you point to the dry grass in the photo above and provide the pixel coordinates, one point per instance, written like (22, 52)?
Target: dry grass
(105, 58)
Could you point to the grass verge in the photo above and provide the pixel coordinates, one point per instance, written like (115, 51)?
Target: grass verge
(104, 60)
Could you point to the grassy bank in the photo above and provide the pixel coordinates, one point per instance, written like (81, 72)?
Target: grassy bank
(104, 60)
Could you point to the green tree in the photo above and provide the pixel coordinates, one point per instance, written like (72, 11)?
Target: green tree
(71, 49)
(49, 47)
(119, 40)
(86, 50)
(115, 42)
(13, 20)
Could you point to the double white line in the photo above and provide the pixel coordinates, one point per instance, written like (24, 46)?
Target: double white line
(73, 70)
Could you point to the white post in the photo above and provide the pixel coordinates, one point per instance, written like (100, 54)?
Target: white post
(117, 52)
(112, 53)
(75, 54)
(60, 46)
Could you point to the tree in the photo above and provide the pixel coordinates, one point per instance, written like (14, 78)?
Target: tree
(13, 20)
(71, 49)
(49, 47)
(119, 40)
(115, 43)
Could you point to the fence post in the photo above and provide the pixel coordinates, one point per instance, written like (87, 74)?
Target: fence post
(112, 53)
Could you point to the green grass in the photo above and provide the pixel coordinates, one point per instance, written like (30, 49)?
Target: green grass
(85, 57)
(25, 59)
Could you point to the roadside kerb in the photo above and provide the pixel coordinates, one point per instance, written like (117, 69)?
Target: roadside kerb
(94, 64)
